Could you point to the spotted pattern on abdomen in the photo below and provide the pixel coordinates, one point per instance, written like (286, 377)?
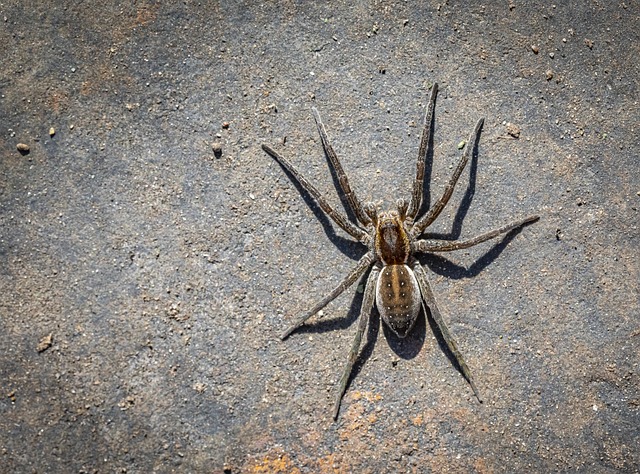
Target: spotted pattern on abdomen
(398, 298)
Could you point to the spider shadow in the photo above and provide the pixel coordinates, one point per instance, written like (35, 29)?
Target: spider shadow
(445, 267)
(348, 247)
(343, 322)
(343, 197)
(406, 348)
(467, 198)
(410, 346)
(444, 347)
(373, 329)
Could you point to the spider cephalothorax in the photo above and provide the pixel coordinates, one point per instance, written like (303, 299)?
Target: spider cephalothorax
(391, 240)
(397, 283)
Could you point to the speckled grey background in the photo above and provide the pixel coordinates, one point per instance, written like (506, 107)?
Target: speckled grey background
(164, 273)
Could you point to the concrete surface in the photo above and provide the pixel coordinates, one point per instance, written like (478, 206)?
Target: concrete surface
(145, 278)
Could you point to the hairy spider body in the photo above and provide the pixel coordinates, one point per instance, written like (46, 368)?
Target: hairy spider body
(397, 284)
(397, 291)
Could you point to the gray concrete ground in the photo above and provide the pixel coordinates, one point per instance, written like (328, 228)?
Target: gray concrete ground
(145, 279)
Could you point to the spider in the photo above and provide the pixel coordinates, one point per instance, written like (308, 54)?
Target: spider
(397, 284)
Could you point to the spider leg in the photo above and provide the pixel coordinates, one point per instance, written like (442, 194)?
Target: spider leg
(446, 246)
(418, 184)
(365, 313)
(354, 202)
(364, 263)
(430, 301)
(339, 218)
(437, 208)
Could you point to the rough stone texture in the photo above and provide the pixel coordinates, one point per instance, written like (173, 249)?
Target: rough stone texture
(163, 272)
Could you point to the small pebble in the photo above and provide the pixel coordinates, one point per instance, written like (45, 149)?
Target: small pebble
(549, 74)
(23, 148)
(52, 131)
(551, 55)
(513, 130)
(535, 49)
(45, 343)
(217, 149)
(461, 144)
(225, 125)
(589, 43)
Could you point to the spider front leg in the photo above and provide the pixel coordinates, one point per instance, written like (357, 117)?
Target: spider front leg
(365, 314)
(418, 183)
(339, 218)
(430, 301)
(448, 245)
(352, 199)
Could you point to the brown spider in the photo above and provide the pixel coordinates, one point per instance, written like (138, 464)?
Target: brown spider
(397, 283)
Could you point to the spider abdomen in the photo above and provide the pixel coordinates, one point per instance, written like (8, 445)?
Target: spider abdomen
(398, 298)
